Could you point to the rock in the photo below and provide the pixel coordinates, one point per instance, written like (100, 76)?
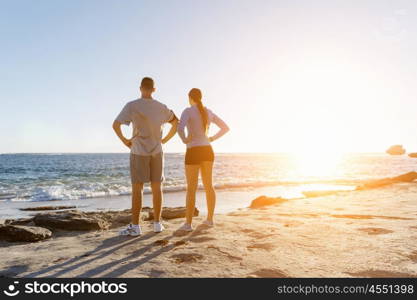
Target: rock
(117, 218)
(18, 233)
(20, 221)
(407, 177)
(124, 217)
(71, 220)
(173, 213)
(38, 208)
(264, 201)
(414, 155)
(396, 150)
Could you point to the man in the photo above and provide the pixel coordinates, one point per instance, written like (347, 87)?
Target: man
(146, 156)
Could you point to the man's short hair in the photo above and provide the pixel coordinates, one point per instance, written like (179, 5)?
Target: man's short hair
(147, 83)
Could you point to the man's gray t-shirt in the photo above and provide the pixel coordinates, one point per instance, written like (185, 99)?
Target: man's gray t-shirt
(147, 116)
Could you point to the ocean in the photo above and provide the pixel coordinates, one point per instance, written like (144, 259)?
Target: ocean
(43, 177)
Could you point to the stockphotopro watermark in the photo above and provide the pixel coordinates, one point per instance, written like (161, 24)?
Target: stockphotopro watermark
(71, 289)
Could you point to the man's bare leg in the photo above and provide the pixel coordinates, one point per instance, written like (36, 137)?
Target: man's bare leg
(137, 193)
(157, 200)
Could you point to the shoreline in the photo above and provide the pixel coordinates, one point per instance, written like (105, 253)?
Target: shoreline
(236, 198)
(234, 195)
(219, 187)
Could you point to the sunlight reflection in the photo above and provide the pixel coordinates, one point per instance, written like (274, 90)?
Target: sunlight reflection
(317, 163)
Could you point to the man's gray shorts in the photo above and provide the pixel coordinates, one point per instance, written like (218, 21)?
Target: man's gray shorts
(146, 168)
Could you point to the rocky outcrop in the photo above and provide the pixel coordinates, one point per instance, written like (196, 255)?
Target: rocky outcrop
(41, 208)
(20, 221)
(264, 201)
(119, 218)
(407, 177)
(19, 233)
(396, 150)
(172, 213)
(96, 220)
(39, 227)
(123, 218)
(71, 220)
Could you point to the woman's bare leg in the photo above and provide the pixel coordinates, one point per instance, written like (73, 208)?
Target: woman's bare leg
(191, 174)
(206, 176)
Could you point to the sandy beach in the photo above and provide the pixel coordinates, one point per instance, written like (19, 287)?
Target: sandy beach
(365, 233)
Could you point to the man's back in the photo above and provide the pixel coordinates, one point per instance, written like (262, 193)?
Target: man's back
(147, 116)
(146, 157)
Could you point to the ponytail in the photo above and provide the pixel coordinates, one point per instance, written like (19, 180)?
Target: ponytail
(196, 95)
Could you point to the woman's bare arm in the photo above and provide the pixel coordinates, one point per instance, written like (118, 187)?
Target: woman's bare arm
(223, 128)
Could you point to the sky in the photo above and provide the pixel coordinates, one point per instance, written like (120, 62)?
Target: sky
(286, 76)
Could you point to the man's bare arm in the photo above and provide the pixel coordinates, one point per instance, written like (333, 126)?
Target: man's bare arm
(172, 131)
(117, 128)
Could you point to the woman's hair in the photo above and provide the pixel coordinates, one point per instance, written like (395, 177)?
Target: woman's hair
(196, 95)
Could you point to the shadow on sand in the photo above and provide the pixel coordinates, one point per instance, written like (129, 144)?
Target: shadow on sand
(87, 262)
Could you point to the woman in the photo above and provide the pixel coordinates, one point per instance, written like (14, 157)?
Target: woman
(199, 155)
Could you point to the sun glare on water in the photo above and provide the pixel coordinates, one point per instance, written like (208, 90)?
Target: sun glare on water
(316, 164)
(317, 170)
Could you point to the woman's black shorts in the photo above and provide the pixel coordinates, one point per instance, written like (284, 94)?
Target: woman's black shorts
(196, 155)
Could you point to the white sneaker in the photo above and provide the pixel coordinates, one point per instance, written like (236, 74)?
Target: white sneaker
(132, 230)
(186, 227)
(208, 223)
(158, 227)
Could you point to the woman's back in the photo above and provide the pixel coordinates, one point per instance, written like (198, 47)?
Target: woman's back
(199, 155)
(191, 118)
